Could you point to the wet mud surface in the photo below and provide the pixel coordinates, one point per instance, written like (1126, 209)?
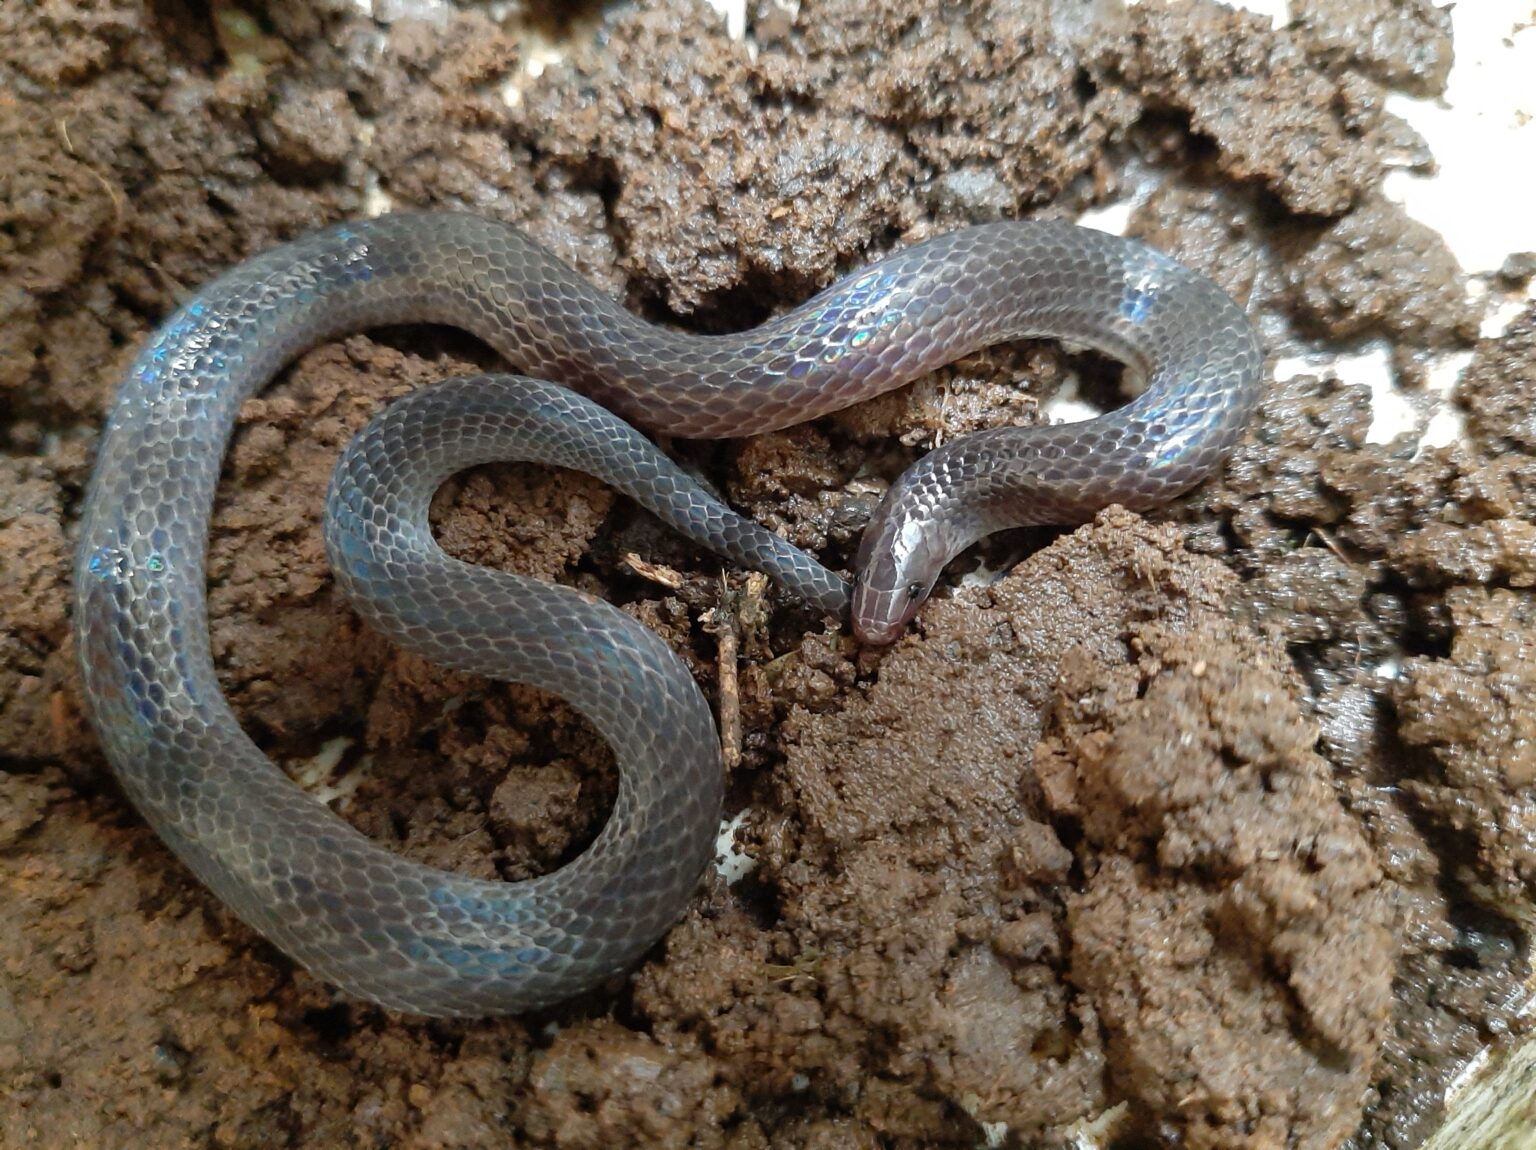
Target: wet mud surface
(1212, 828)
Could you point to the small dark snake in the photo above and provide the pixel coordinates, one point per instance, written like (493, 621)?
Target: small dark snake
(431, 942)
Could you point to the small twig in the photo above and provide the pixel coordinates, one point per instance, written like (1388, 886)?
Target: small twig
(730, 699)
(1333, 545)
(721, 623)
(806, 964)
(752, 604)
(106, 184)
(735, 612)
(655, 572)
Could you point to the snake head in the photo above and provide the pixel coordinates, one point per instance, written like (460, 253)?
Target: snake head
(897, 566)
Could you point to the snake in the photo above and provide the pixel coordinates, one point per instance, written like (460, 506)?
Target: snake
(387, 930)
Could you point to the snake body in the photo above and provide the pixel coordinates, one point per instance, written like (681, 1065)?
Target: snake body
(427, 941)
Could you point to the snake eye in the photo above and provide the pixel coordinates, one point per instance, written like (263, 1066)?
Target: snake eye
(915, 590)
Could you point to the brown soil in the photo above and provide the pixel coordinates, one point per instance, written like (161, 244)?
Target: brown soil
(1221, 824)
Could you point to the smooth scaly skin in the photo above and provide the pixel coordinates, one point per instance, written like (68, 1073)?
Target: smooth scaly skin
(431, 942)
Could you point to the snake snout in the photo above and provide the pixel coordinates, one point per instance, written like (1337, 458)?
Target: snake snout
(879, 615)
